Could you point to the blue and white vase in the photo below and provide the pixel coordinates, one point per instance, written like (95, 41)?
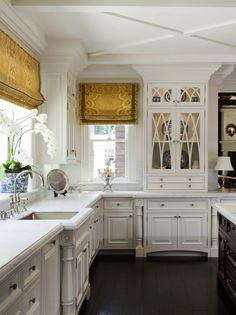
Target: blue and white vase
(7, 185)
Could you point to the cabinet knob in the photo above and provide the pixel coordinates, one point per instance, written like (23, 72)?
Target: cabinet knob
(161, 186)
(13, 286)
(118, 204)
(190, 179)
(175, 216)
(189, 186)
(173, 141)
(53, 242)
(162, 205)
(84, 250)
(33, 300)
(161, 179)
(131, 216)
(97, 206)
(32, 268)
(192, 204)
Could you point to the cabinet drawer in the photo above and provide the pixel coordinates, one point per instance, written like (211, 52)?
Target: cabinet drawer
(176, 186)
(175, 179)
(31, 269)
(118, 204)
(10, 290)
(177, 204)
(32, 300)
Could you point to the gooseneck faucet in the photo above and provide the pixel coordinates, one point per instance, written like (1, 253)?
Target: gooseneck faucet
(16, 198)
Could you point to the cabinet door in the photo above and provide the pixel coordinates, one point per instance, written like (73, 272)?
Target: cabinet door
(189, 141)
(162, 231)
(190, 95)
(51, 279)
(32, 300)
(81, 273)
(72, 132)
(192, 230)
(118, 230)
(161, 94)
(160, 141)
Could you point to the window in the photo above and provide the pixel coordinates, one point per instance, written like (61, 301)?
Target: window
(113, 144)
(17, 112)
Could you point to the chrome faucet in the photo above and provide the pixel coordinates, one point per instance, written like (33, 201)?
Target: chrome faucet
(15, 200)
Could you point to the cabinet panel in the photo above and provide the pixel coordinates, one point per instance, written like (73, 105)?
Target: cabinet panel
(118, 230)
(177, 204)
(192, 230)
(15, 309)
(118, 204)
(31, 269)
(162, 231)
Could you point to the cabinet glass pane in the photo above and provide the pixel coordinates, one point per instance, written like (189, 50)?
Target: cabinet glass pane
(161, 144)
(189, 141)
(190, 94)
(161, 95)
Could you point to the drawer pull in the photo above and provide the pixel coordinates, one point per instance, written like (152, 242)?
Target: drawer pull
(97, 206)
(13, 286)
(53, 242)
(33, 300)
(161, 186)
(32, 268)
(90, 227)
(84, 250)
(118, 204)
(161, 179)
(192, 204)
(162, 205)
(175, 216)
(189, 186)
(131, 216)
(190, 179)
(95, 221)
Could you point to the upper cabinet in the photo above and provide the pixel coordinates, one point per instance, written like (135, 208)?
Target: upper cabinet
(175, 129)
(59, 90)
(176, 94)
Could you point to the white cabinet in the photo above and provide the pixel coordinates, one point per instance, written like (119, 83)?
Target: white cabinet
(175, 143)
(59, 90)
(177, 225)
(95, 231)
(51, 278)
(118, 223)
(181, 94)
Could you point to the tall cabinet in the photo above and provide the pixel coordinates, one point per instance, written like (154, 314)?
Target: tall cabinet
(175, 144)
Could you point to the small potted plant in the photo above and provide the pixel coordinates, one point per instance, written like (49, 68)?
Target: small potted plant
(15, 129)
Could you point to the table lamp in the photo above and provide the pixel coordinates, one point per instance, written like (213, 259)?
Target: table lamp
(223, 164)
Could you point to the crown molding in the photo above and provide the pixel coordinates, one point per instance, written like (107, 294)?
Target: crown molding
(30, 37)
(221, 74)
(177, 73)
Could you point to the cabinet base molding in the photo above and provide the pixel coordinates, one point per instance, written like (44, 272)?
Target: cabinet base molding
(177, 256)
(139, 252)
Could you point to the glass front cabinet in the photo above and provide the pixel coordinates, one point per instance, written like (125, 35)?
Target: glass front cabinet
(175, 143)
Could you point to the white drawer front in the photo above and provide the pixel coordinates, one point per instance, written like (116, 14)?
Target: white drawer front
(32, 300)
(175, 186)
(175, 179)
(10, 290)
(177, 204)
(118, 204)
(31, 269)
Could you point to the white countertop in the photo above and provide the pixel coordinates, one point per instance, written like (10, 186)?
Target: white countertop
(228, 210)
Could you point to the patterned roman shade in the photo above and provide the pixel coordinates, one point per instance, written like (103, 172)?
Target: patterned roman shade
(108, 103)
(19, 74)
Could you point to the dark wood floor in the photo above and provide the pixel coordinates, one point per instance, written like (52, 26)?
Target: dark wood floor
(141, 287)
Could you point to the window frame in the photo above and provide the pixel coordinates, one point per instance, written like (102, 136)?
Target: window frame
(87, 156)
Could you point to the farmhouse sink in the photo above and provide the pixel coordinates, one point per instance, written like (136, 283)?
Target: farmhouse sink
(49, 216)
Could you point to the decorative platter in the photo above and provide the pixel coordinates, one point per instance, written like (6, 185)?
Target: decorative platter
(167, 159)
(58, 182)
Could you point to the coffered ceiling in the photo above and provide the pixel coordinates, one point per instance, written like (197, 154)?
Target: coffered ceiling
(126, 32)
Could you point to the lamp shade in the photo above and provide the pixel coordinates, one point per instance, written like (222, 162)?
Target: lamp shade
(223, 164)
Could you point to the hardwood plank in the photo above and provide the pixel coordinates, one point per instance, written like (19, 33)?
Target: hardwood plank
(141, 287)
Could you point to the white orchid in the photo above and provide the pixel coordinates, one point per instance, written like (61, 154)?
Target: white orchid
(15, 129)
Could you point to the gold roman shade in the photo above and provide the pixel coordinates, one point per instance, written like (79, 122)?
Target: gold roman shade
(108, 103)
(19, 74)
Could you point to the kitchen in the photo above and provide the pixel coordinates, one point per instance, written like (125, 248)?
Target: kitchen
(165, 188)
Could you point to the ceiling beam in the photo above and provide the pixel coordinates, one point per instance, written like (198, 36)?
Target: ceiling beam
(77, 5)
(125, 17)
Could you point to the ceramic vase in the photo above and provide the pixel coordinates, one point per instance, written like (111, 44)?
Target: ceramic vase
(7, 185)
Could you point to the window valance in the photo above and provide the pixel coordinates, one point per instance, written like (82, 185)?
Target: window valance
(19, 74)
(108, 103)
